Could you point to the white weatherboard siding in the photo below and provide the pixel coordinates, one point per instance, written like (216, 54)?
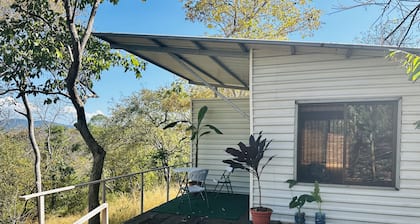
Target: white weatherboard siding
(212, 147)
(280, 79)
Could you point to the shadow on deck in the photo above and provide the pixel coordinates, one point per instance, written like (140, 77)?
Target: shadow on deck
(223, 209)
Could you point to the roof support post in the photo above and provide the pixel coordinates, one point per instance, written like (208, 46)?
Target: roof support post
(234, 106)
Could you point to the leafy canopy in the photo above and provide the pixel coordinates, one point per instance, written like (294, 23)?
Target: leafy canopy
(260, 19)
(34, 52)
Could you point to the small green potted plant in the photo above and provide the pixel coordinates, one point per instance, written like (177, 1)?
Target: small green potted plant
(298, 202)
(319, 216)
(248, 157)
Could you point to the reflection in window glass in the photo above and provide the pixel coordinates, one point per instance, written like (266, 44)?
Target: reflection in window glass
(347, 143)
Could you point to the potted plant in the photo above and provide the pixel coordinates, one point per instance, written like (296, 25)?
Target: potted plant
(248, 157)
(319, 216)
(298, 202)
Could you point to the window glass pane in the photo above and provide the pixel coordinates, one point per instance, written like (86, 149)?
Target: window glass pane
(371, 144)
(347, 143)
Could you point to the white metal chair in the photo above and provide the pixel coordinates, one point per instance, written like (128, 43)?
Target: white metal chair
(197, 184)
(224, 181)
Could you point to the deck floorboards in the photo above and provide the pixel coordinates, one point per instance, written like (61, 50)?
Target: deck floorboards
(164, 218)
(177, 211)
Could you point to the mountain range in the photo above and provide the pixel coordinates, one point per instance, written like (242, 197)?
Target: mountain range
(15, 123)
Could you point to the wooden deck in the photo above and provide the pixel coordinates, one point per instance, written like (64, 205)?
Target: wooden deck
(165, 218)
(223, 209)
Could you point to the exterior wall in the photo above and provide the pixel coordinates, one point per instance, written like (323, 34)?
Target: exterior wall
(279, 80)
(212, 147)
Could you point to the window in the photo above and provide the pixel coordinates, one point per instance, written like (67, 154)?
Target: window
(348, 143)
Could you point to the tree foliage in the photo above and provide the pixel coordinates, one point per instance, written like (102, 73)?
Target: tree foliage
(410, 61)
(37, 41)
(400, 18)
(134, 137)
(66, 166)
(16, 177)
(254, 18)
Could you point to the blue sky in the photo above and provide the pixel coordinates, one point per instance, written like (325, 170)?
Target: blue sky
(166, 17)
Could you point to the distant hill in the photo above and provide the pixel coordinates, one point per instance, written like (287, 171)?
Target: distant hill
(12, 124)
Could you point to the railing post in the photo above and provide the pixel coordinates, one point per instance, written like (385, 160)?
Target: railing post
(41, 204)
(105, 215)
(142, 193)
(168, 180)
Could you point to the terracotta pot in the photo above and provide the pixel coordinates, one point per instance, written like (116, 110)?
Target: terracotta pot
(261, 216)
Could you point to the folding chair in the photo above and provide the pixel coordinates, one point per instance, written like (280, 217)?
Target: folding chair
(197, 184)
(224, 180)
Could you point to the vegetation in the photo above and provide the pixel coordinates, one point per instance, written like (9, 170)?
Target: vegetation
(248, 158)
(299, 201)
(254, 18)
(132, 135)
(50, 51)
(316, 194)
(397, 20)
(198, 130)
(123, 206)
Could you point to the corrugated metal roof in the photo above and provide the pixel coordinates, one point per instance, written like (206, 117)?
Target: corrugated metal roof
(221, 62)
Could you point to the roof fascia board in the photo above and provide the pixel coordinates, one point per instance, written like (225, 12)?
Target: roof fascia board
(248, 42)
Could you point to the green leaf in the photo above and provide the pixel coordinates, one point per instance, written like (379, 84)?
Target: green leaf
(417, 123)
(190, 128)
(134, 61)
(214, 129)
(201, 113)
(205, 133)
(193, 136)
(171, 125)
(291, 182)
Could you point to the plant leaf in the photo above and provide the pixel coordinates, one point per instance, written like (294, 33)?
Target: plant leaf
(193, 135)
(417, 123)
(171, 125)
(234, 164)
(201, 113)
(205, 133)
(291, 182)
(214, 129)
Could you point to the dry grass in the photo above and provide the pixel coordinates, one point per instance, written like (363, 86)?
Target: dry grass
(122, 207)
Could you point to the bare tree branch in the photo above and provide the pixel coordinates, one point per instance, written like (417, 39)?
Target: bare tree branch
(89, 26)
(415, 11)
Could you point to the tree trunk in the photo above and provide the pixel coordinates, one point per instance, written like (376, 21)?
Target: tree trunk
(77, 47)
(98, 153)
(37, 163)
(372, 155)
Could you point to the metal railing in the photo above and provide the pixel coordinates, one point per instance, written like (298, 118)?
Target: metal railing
(104, 205)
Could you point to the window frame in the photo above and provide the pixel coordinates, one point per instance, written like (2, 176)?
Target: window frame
(396, 101)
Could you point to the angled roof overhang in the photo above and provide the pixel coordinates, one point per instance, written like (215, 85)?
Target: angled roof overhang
(221, 62)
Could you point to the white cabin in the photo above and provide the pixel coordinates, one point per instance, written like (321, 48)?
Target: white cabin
(324, 105)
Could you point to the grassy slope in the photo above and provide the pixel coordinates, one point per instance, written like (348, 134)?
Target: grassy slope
(122, 207)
